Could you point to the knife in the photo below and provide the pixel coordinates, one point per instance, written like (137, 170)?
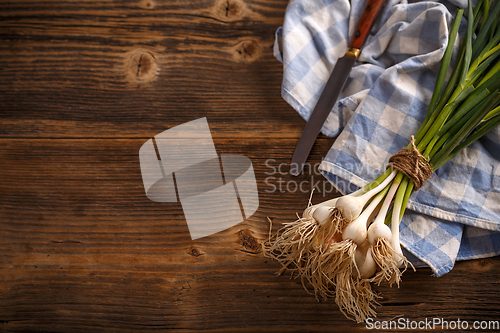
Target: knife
(334, 86)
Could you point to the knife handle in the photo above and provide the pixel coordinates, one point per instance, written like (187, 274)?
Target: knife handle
(365, 23)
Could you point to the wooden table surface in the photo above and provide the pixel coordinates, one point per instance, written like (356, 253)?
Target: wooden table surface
(83, 84)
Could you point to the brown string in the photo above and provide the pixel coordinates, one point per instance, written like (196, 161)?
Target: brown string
(413, 164)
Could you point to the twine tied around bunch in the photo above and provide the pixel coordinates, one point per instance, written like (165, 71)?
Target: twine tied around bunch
(413, 164)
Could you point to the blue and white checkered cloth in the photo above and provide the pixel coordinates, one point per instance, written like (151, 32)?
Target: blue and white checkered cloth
(456, 215)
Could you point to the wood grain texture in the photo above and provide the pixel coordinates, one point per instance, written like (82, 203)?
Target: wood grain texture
(83, 84)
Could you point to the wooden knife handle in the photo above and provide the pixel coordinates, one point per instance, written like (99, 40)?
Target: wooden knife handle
(365, 23)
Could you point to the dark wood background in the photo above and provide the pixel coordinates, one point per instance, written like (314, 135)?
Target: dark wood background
(83, 84)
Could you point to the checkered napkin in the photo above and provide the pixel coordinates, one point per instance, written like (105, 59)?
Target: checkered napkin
(456, 215)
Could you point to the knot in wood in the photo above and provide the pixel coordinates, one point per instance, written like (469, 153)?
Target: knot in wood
(247, 51)
(248, 241)
(229, 10)
(141, 66)
(195, 252)
(413, 164)
(146, 4)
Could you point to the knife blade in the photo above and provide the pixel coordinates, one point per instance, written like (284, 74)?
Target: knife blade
(334, 86)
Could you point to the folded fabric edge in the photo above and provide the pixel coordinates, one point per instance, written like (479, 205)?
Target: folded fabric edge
(452, 217)
(286, 94)
(278, 47)
(438, 271)
(326, 168)
(478, 256)
(302, 111)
